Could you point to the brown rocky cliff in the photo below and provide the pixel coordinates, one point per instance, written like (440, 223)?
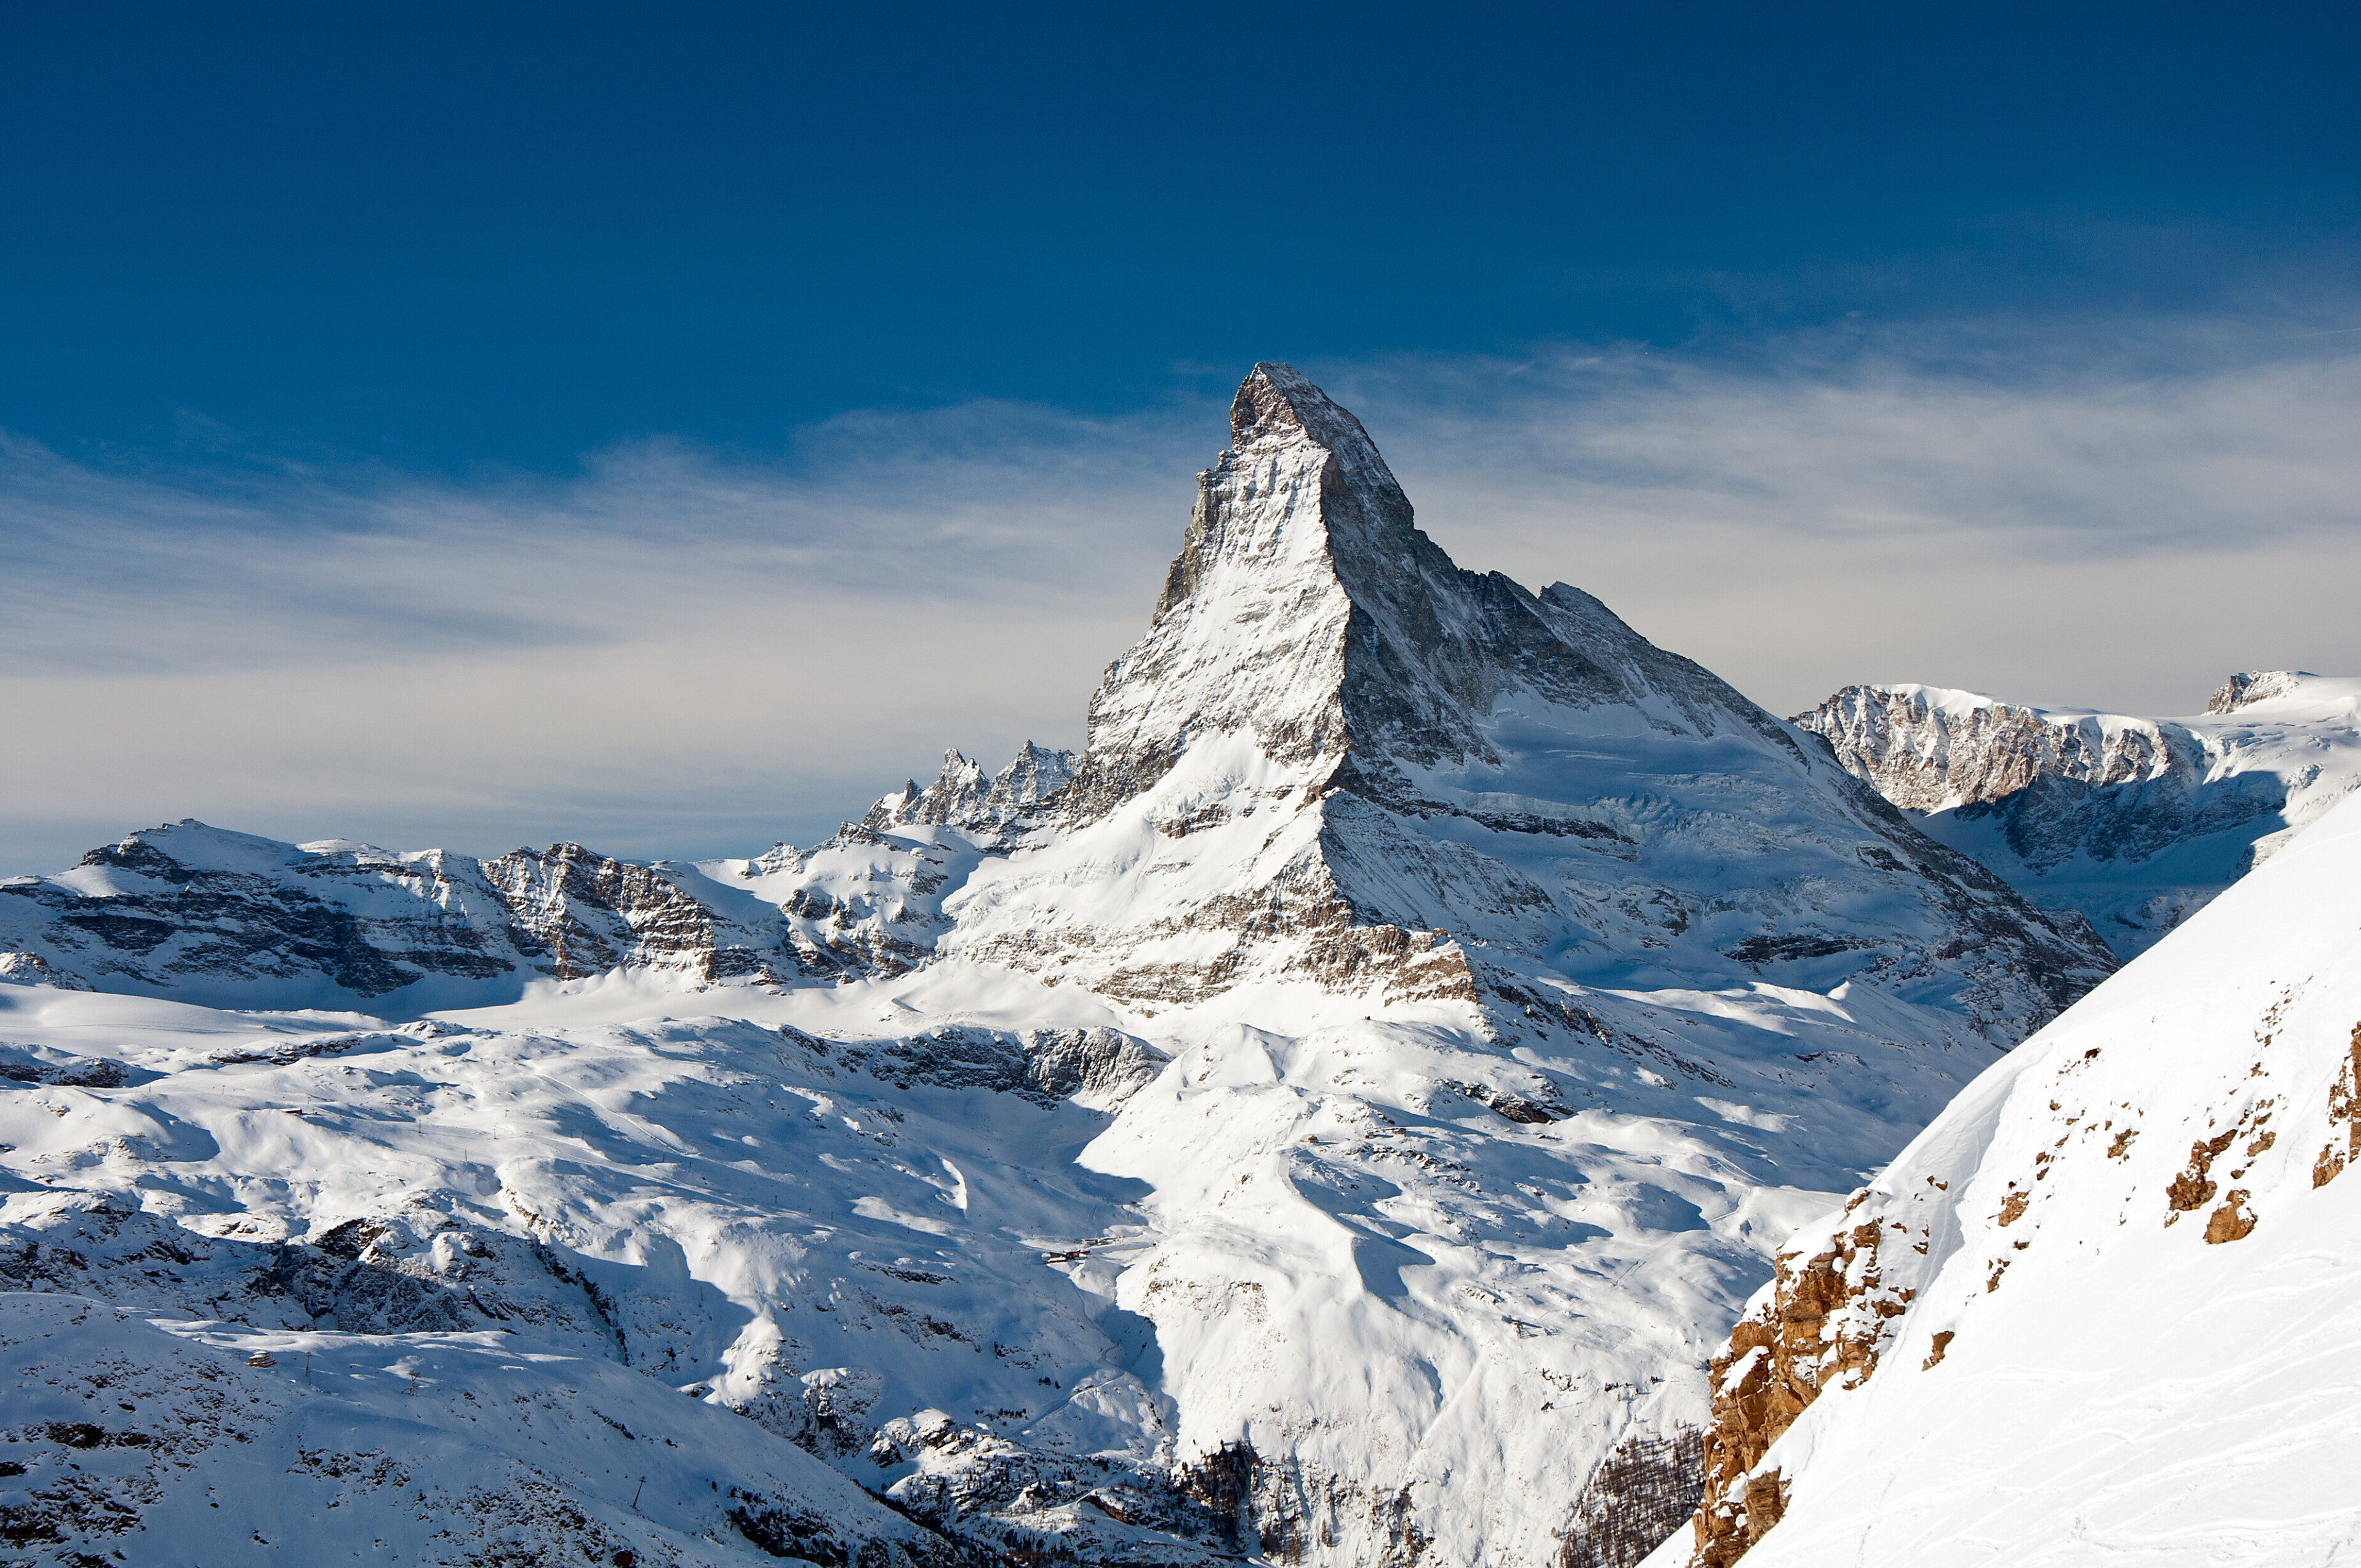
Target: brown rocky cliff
(1821, 1324)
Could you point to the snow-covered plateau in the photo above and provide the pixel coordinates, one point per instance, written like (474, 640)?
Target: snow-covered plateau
(2134, 823)
(1334, 1117)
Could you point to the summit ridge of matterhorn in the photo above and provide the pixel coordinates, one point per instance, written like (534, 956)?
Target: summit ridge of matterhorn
(1331, 1118)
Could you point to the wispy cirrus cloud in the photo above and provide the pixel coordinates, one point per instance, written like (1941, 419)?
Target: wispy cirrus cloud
(679, 651)
(670, 651)
(2110, 515)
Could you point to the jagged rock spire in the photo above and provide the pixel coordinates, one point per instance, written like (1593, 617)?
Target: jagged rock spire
(1307, 608)
(963, 796)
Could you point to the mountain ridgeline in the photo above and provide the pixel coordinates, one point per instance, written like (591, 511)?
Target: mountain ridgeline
(1335, 1115)
(1354, 761)
(2135, 823)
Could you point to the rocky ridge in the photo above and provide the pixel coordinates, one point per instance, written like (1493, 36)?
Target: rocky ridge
(983, 805)
(201, 913)
(2135, 823)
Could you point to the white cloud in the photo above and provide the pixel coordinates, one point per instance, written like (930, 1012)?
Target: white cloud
(670, 654)
(681, 652)
(2100, 518)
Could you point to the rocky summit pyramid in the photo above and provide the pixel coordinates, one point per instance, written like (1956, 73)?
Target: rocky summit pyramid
(1338, 756)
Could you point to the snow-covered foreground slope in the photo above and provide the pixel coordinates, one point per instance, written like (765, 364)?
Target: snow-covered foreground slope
(1333, 1117)
(2132, 822)
(1030, 1282)
(2106, 1306)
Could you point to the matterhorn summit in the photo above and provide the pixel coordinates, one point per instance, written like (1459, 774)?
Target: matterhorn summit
(1336, 755)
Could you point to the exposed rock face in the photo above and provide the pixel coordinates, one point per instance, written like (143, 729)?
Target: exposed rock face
(962, 796)
(578, 914)
(2255, 685)
(2135, 823)
(1925, 750)
(1821, 1324)
(196, 910)
(1336, 755)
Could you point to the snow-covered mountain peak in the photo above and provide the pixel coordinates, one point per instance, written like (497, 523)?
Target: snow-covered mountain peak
(2250, 686)
(2134, 822)
(1278, 403)
(1308, 610)
(1249, 633)
(1337, 756)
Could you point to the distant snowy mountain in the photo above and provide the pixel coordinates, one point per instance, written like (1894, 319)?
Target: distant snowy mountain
(962, 796)
(2135, 823)
(2104, 1306)
(1331, 1118)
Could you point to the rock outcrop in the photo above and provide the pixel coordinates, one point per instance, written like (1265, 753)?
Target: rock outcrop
(2250, 687)
(963, 797)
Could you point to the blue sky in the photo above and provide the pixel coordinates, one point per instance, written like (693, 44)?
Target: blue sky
(669, 426)
(450, 237)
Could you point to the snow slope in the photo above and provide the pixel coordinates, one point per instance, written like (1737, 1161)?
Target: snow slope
(157, 1440)
(1331, 1118)
(1037, 1259)
(2104, 1306)
(2132, 822)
